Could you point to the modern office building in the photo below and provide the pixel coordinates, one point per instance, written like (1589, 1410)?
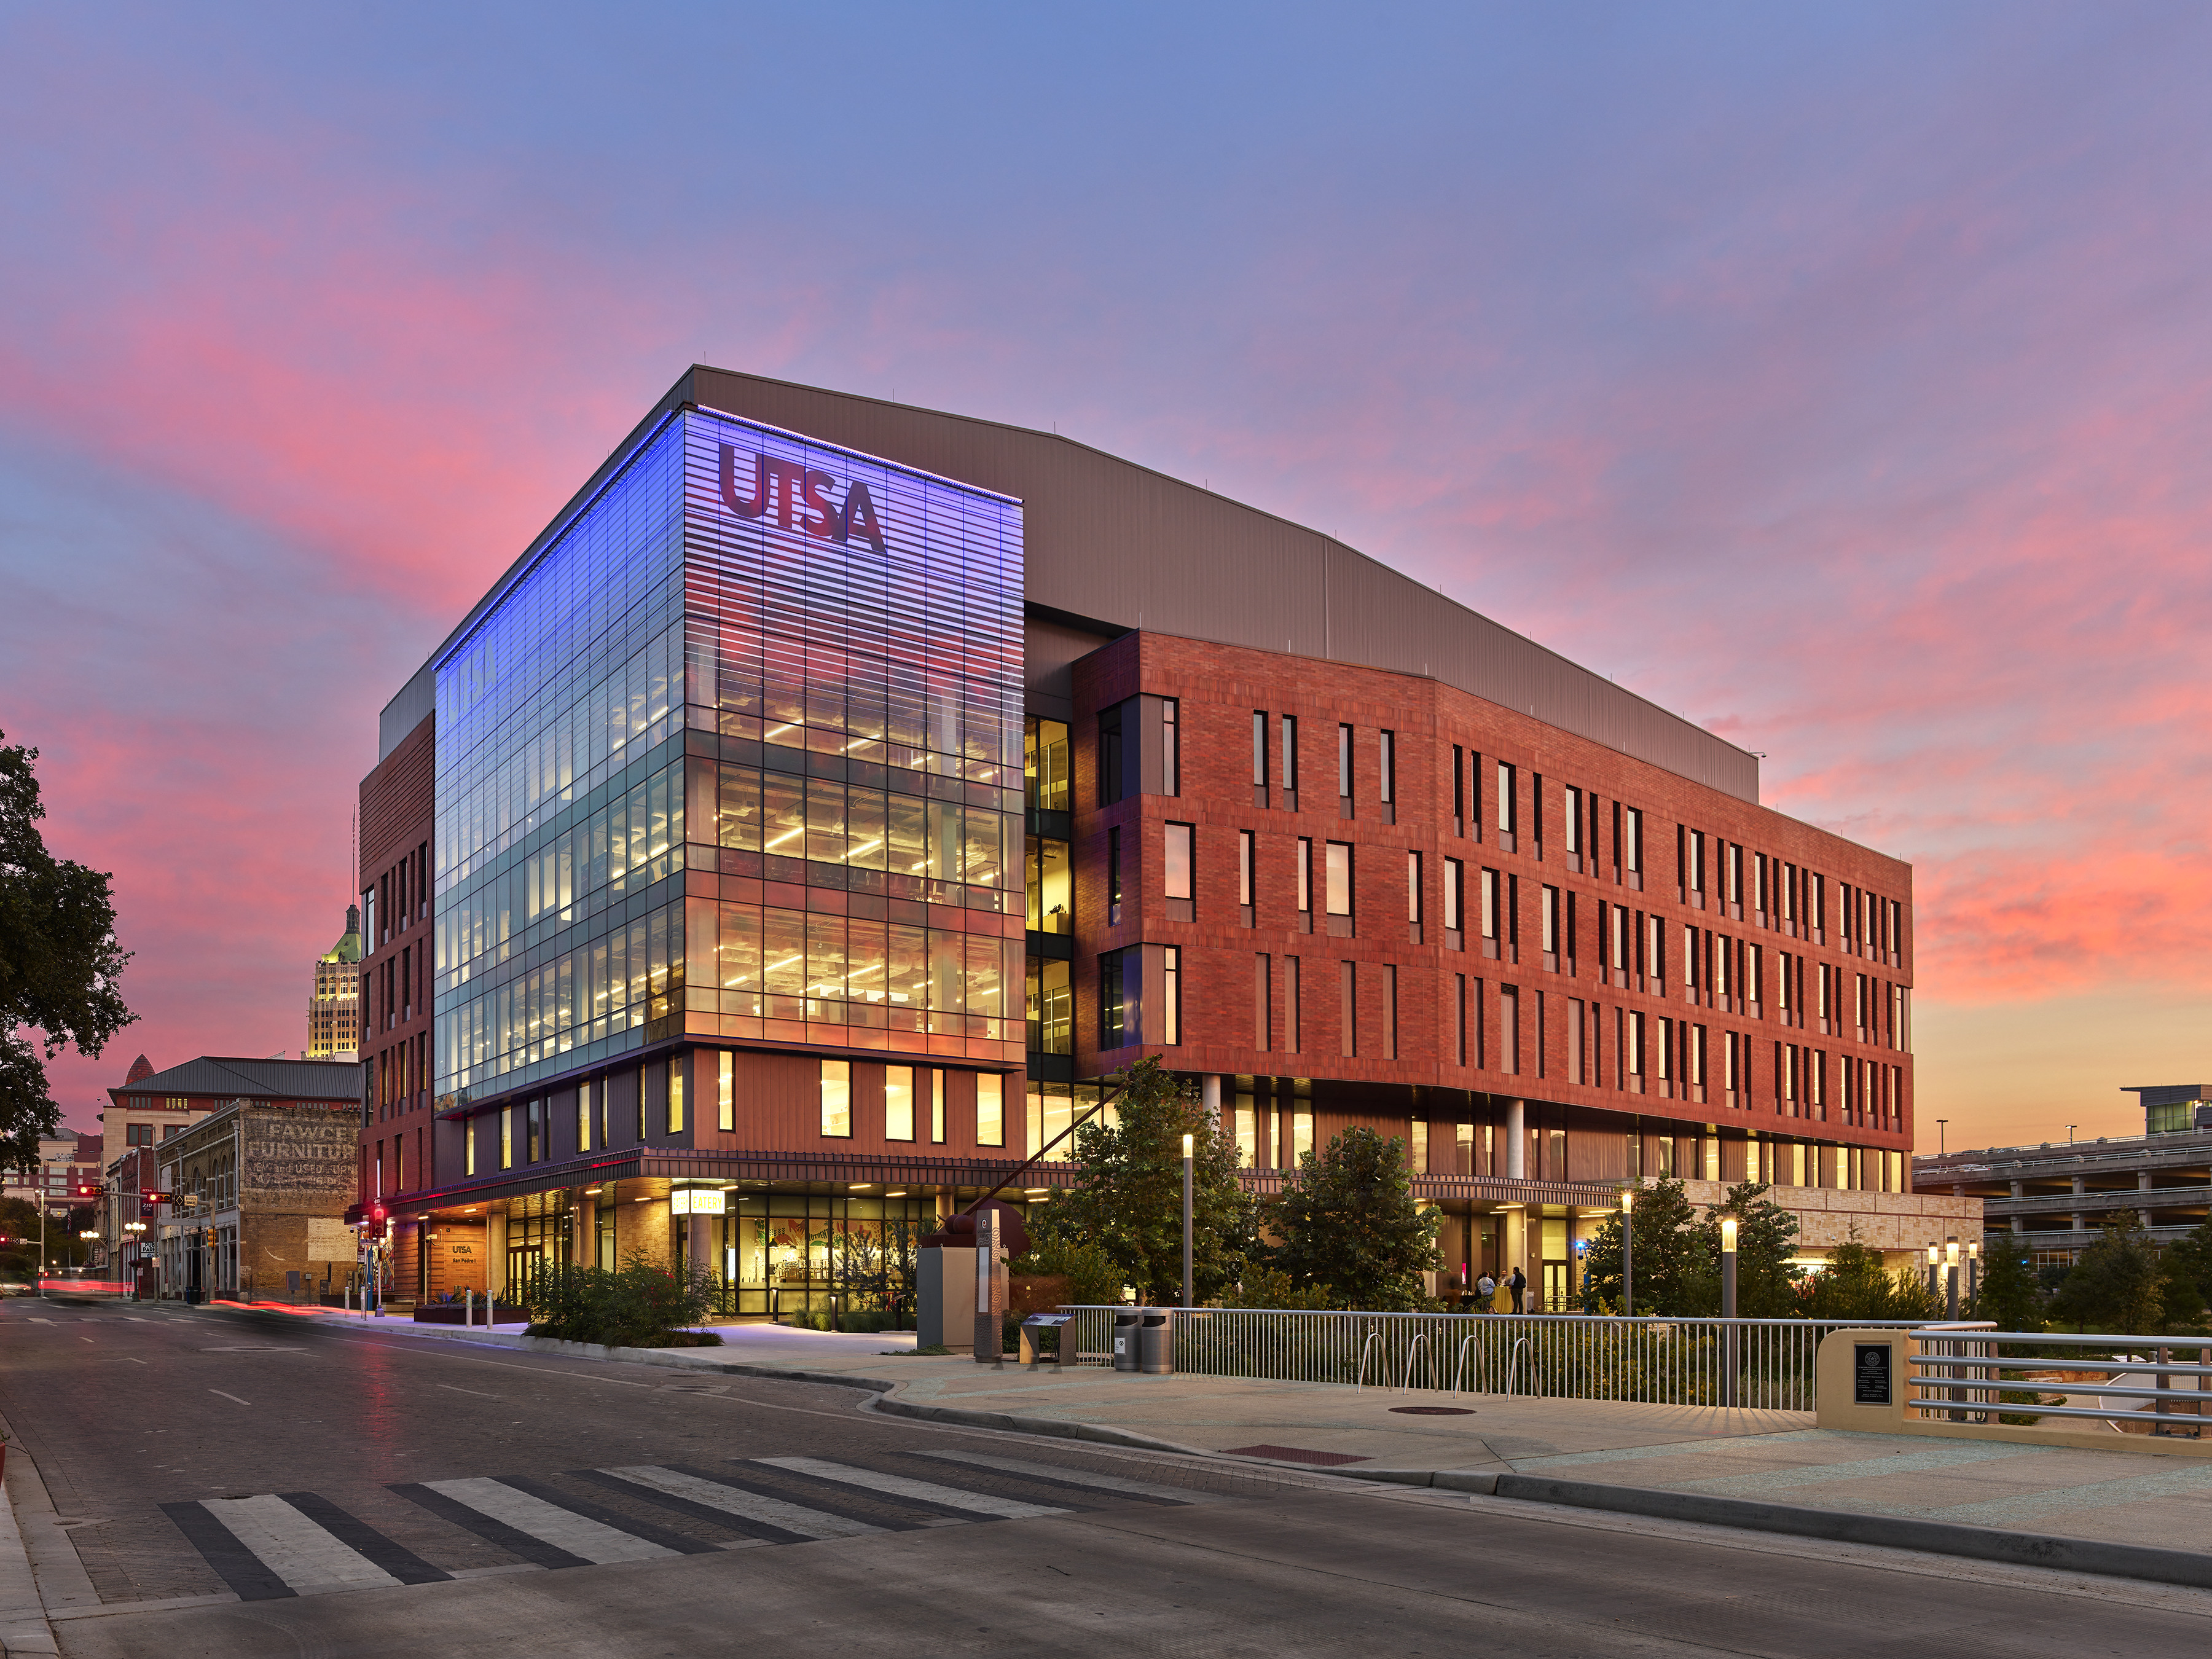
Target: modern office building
(790, 839)
(2052, 1199)
(334, 1005)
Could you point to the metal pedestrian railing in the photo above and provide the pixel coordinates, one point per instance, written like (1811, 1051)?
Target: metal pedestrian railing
(2159, 1385)
(1767, 1364)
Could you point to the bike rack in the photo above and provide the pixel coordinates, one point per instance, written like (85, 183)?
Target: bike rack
(1359, 1380)
(1513, 1361)
(1459, 1367)
(1406, 1377)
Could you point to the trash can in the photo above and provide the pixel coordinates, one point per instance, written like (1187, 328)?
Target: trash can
(1126, 1324)
(1156, 1344)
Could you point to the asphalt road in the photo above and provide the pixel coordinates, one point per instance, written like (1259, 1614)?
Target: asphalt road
(241, 1485)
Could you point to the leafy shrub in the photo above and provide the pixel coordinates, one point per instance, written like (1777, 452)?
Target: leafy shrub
(639, 1305)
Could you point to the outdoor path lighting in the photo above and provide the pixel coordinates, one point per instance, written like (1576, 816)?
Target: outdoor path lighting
(1186, 1221)
(1728, 1310)
(1627, 1254)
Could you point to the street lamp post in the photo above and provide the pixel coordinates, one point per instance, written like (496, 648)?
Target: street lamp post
(1186, 1220)
(1728, 1310)
(1628, 1254)
(1941, 1140)
(1974, 1272)
(1951, 1277)
(1935, 1254)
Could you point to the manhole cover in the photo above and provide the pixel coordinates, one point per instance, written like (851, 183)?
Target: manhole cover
(1433, 1410)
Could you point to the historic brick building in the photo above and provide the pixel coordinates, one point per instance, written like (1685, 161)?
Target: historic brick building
(817, 733)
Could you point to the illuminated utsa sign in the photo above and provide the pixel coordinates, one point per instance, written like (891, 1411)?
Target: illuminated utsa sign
(795, 494)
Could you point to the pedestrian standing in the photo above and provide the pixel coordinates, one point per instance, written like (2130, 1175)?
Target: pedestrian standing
(1484, 1288)
(1517, 1285)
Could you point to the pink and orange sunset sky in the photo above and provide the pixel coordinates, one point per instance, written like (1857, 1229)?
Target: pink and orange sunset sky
(1835, 375)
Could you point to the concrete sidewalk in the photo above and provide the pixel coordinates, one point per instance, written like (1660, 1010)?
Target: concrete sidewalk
(2132, 1497)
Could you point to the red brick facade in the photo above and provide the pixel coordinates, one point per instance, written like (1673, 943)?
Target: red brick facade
(397, 834)
(1218, 688)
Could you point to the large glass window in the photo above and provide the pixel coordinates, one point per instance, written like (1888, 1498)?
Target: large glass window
(1044, 764)
(898, 1103)
(740, 583)
(1051, 1008)
(990, 1109)
(1050, 886)
(837, 1098)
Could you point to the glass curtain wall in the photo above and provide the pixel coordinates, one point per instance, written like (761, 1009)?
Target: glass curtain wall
(841, 639)
(786, 1254)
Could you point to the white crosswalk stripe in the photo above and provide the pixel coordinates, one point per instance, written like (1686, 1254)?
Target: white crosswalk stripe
(307, 1557)
(1075, 1477)
(791, 1518)
(898, 1485)
(562, 1528)
(306, 1545)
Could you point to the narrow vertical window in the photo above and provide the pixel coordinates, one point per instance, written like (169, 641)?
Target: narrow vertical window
(1459, 1018)
(837, 1099)
(677, 1068)
(1459, 790)
(468, 1147)
(1509, 1029)
(1170, 748)
(1305, 880)
(1387, 757)
(1490, 910)
(1413, 888)
(1171, 998)
(1113, 1003)
(1179, 855)
(1633, 840)
(1347, 1009)
(1246, 854)
(583, 1119)
(990, 1109)
(898, 1103)
(725, 1093)
(1113, 877)
(1294, 1024)
(1111, 770)
(1417, 1146)
(1290, 755)
(1260, 751)
(1455, 886)
(1390, 1012)
(1263, 1021)
(1340, 881)
(1343, 764)
(937, 1108)
(506, 1139)
(1508, 810)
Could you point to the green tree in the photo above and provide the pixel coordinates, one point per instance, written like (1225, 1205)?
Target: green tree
(2186, 1271)
(1673, 1270)
(2007, 1292)
(1060, 1249)
(58, 962)
(1349, 1225)
(1766, 1241)
(2117, 1285)
(1854, 1284)
(1128, 1199)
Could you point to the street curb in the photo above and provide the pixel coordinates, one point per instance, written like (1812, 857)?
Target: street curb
(2025, 1549)
(24, 1627)
(1055, 1428)
(679, 1360)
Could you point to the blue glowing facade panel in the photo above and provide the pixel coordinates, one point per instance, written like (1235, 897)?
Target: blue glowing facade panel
(736, 758)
